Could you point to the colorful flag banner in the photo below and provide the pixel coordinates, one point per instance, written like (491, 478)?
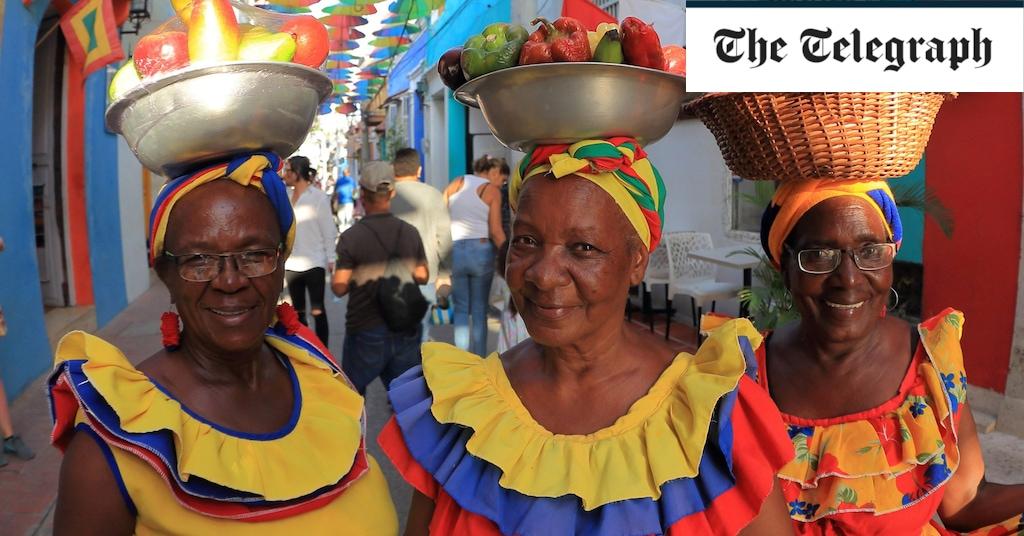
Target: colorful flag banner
(91, 32)
(384, 42)
(357, 11)
(398, 30)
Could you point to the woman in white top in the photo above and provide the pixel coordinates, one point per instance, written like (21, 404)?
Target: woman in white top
(475, 207)
(313, 254)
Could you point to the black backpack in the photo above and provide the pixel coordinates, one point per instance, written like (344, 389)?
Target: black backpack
(401, 304)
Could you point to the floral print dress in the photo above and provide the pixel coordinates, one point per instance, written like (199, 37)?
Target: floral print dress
(882, 471)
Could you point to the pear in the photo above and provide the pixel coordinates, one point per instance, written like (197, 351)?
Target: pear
(124, 79)
(213, 32)
(258, 44)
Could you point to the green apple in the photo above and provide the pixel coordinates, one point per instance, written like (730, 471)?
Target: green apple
(124, 79)
(258, 44)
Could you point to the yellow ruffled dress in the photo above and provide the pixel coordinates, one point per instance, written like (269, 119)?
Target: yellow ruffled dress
(181, 474)
(697, 454)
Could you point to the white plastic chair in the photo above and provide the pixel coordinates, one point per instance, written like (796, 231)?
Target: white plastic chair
(695, 278)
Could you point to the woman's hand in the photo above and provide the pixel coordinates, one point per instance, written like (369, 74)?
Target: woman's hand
(970, 502)
(88, 500)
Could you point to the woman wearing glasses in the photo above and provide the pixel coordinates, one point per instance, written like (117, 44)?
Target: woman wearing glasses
(875, 407)
(243, 422)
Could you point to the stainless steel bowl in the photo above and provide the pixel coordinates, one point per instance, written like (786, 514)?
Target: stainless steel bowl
(567, 102)
(177, 123)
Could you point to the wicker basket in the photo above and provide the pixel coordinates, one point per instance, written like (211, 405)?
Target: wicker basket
(796, 136)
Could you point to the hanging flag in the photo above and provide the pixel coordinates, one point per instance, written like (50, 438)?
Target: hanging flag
(91, 33)
(383, 42)
(358, 11)
(285, 9)
(356, 2)
(398, 30)
(586, 12)
(292, 3)
(415, 9)
(346, 108)
(343, 20)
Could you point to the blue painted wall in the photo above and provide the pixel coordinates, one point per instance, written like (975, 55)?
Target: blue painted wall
(102, 204)
(25, 351)
(418, 128)
(913, 219)
(461, 19)
(457, 128)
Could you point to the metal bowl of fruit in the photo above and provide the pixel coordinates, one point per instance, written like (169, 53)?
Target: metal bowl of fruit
(181, 121)
(551, 103)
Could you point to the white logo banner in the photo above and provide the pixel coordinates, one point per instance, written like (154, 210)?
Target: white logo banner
(781, 48)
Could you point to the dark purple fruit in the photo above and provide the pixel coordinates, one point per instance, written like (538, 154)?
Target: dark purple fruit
(450, 68)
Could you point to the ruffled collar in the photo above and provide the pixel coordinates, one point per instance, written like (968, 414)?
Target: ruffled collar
(315, 450)
(661, 437)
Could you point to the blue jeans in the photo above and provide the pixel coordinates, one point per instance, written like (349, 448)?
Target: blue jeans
(472, 273)
(379, 352)
(429, 292)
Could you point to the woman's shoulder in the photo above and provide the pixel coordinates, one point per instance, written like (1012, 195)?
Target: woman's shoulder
(94, 384)
(709, 425)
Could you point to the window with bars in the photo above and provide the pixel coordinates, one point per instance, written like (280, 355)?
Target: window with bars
(611, 6)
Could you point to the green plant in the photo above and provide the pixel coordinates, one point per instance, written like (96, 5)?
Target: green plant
(769, 303)
(920, 197)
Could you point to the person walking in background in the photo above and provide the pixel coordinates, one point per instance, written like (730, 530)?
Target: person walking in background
(343, 190)
(373, 348)
(313, 256)
(474, 205)
(12, 444)
(423, 207)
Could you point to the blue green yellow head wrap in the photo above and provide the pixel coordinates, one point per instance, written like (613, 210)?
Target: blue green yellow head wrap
(794, 198)
(618, 166)
(257, 170)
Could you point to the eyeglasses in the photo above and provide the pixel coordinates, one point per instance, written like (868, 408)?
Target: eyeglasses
(825, 260)
(203, 267)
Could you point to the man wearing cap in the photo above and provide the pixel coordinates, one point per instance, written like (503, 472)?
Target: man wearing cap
(371, 348)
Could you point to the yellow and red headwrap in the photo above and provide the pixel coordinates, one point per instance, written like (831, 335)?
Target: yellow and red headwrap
(794, 198)
(257, 170)
(618, 166)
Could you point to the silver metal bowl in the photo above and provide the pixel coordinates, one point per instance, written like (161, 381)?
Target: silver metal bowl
(552, 103)
(179, 122)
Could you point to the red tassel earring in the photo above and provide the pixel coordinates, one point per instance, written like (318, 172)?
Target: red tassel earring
(171, 331)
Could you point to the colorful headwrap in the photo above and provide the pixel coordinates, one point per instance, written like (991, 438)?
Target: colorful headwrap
(618, 165)
(258, 170)
(794, 198)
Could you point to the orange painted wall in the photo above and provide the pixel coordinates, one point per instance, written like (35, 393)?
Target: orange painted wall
(974, 164)
(77, 225)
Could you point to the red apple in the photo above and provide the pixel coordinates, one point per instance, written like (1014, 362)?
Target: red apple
(161, 52)
(311, 40)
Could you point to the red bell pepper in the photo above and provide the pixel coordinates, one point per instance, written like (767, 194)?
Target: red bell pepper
(564, 40)
(675, 59)
(641, 44)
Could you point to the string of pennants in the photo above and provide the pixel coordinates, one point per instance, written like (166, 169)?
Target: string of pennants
(91, 30)
(360, 78)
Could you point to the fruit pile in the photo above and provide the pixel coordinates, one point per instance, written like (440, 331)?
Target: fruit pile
(501, 45)
(208, 32)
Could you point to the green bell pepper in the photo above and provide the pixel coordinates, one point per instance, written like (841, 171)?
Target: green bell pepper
(497, 47)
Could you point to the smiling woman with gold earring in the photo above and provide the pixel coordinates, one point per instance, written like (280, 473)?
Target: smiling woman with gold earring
(876, 408)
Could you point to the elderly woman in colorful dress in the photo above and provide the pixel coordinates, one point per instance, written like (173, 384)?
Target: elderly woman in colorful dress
(589, 426)
(876, 408)
(243, 422)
